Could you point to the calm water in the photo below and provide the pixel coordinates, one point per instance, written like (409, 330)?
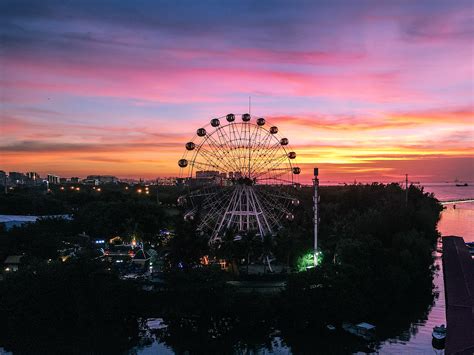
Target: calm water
(454, 221)
(417, 338)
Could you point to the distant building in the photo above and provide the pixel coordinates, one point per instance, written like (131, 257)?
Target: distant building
(206, 174)
(12, 262)
(33, 176)
(75, 179)
(181, 181)
(101, 179)
(3, 178)
(16, 178)
(52, 179)
(167, 181)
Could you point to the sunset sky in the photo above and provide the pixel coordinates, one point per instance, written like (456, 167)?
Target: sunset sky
(365, 90)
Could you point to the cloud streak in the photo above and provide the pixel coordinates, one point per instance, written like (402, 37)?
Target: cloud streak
(364, 88)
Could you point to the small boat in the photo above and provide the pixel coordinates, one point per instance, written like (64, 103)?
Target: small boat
(462, 185)
(363, 330)
(439, 336)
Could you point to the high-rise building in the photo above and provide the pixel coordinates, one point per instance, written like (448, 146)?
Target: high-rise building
(33, 178)
(53, 179)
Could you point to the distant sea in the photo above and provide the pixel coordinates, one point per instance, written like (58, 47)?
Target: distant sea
(457, 221)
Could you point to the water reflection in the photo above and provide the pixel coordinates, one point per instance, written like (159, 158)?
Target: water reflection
(234, 336)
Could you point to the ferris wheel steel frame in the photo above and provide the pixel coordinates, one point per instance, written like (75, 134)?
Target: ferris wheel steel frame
(253, 194)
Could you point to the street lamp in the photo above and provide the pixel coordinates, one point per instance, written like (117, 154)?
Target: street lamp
(316, 215)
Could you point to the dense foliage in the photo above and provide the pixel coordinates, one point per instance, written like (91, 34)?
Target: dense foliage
(377, 264)
(377, 254)
(70, 307)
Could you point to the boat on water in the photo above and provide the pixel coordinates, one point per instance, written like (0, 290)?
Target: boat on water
(362, 330)
(462, 185)
(439, 336)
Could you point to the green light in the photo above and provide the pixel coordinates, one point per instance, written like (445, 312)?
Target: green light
(306, 261)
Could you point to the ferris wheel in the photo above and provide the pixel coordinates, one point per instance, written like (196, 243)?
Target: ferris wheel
(239, 175)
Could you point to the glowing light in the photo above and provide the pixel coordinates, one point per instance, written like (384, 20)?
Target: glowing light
(139, 191)
(307, 261)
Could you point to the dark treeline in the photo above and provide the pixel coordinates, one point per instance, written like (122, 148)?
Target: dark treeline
(71, 307)
(376, 266)
(111, 212)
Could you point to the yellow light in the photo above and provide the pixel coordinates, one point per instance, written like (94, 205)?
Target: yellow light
(62, 187)
(99, 189)
(139, 191)
(78, 188)
(72, 187)
(147, 192)
(126, 187)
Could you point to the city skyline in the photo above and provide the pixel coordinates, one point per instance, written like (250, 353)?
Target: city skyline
(363, 92)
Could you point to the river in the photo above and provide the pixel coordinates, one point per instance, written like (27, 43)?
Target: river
(416, 339)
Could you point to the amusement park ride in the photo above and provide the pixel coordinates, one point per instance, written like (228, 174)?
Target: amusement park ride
(254, 178)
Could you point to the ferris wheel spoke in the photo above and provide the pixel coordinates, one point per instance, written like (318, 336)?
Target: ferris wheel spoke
(275, 201)
(227, 150)
(216, 163)
(235, 144)
(254, 145)
(275, 210)
(273, 153)
(277, 194)
(201, 165)
(226, 137)
(275, 165)
(274, 174)
(260, 150)
(263, 158)
(217, 152)
(216, 200)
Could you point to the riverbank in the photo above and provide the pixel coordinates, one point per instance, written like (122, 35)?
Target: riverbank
(458, 268)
